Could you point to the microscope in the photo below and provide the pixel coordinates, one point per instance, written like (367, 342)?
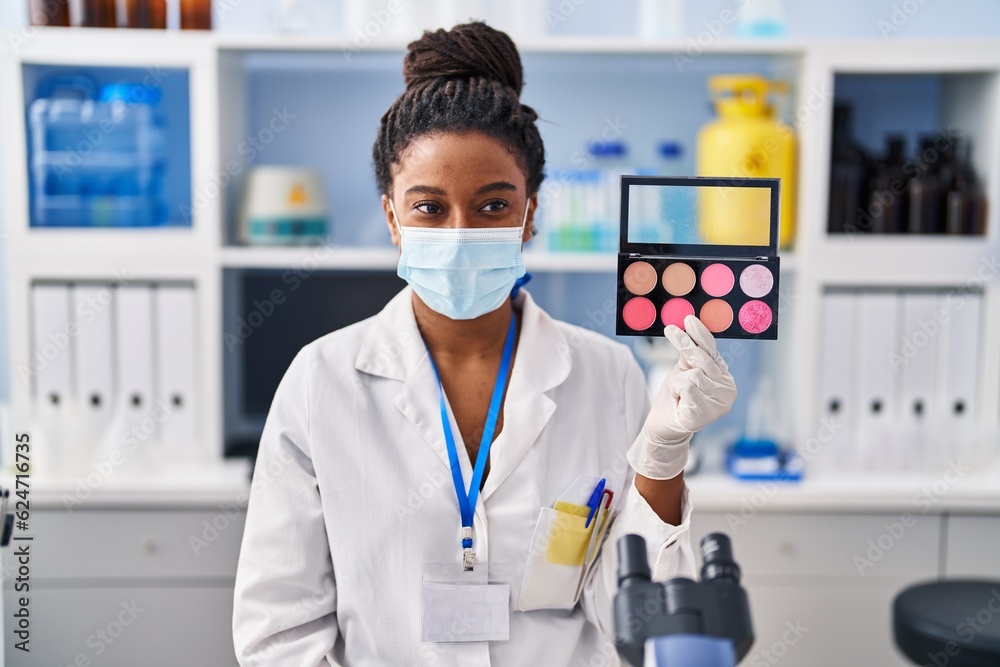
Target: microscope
(681, 622)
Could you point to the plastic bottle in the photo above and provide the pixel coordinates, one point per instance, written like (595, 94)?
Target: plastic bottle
(609, 158)
(761, 18)
(746, 141)
(850, 170)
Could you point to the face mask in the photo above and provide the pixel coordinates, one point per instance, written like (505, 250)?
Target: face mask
(461, 273)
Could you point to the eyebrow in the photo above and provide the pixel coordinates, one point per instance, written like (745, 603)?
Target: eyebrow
(489, 187)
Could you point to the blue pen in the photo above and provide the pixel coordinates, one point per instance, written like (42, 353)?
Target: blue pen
(595, 501)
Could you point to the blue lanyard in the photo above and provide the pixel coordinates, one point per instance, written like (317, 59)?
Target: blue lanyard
(467, 501)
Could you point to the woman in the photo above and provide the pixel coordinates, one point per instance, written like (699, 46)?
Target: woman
(363, 473)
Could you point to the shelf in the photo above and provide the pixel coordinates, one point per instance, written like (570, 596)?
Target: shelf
(215, 486)
(886, 492)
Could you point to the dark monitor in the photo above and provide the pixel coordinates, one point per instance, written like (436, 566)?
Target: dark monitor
(312, 304)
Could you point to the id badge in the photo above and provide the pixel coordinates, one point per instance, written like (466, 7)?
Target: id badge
(465, 606)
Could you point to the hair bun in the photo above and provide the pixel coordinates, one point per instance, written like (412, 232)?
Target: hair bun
(466, 51)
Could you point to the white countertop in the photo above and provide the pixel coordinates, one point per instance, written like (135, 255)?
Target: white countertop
(207, 486)
(227, 483)
(977, 491)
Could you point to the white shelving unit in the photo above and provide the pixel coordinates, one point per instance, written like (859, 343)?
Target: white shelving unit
(218, 94)
(218, 89)
(795, 541)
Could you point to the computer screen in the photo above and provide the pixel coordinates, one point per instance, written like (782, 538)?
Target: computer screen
(271, 333)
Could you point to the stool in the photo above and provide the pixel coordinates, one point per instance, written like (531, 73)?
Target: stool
(949, 623)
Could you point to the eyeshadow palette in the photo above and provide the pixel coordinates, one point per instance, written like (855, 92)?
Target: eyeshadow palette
(699, 246)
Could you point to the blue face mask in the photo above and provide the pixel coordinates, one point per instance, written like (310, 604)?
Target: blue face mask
(461, 273)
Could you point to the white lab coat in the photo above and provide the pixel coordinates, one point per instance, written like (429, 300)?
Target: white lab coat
(352, 494)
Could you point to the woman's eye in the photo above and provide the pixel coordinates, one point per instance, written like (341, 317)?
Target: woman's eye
(428, 208)
(495, 205)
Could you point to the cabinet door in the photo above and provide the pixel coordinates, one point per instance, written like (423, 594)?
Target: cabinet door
(822, 624)
(859, 547)
(821, 585)
(110, 624)
(973, 545)
(85, 543)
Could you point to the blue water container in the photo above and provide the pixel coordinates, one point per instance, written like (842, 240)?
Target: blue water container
(97, 157)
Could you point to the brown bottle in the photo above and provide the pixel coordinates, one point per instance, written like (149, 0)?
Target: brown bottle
(196, 14)
(925, 192)
(849, 174)
(49, 12)
(146, 14)
(99, 14)
(965, 204)
(888, 203)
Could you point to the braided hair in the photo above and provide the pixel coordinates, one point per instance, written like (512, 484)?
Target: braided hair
(467, 79)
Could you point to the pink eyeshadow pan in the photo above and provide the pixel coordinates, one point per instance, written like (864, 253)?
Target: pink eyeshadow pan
(675, 310)
(756, 281)
(639, 313)
(717, 280)
(755, 316)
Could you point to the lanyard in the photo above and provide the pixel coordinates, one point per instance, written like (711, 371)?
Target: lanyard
(467, 501)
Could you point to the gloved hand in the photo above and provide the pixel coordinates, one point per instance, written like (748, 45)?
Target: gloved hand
(697, 391)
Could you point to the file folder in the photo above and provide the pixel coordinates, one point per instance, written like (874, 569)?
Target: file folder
(138, 418)
(93, 364)
(876, 399)
(51, 368)
(917, 357)
(837, 353)
(960, 376)
(174, 318)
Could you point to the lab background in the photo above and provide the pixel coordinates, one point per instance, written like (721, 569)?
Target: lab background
(183, 208)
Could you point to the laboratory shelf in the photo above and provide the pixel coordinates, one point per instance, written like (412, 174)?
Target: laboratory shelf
(976, 491)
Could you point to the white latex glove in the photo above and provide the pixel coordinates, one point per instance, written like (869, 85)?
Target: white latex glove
(697, 391)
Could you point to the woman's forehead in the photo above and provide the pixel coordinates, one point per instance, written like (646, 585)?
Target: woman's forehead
(457, 161)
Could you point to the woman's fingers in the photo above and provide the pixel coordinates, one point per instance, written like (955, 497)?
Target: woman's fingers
(703, 337)
(704, 356)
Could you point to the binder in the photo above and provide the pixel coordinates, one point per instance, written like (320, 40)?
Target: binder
(93, 306)
(51, 367)
(960, 376)
(835, 406)
(877, 438)
(138, 418)
(174, 335)
(917, 357)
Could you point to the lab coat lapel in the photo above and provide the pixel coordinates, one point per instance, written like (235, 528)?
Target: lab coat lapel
(394, 349)
(542, 362)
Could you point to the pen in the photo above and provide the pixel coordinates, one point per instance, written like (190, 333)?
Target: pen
(595, 501)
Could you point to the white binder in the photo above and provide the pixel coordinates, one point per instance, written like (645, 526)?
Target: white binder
(51, 368)
(876, 399)
(836, 406)
(138, 419)
(917, 356)
(93, 306)
(960, 376)
(174, 317)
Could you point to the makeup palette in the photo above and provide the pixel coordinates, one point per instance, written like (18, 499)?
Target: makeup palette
(699, 246)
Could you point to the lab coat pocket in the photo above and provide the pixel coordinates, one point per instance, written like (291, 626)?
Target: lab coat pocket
(555, 563)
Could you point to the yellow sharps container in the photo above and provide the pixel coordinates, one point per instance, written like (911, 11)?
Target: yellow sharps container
(745, 141)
